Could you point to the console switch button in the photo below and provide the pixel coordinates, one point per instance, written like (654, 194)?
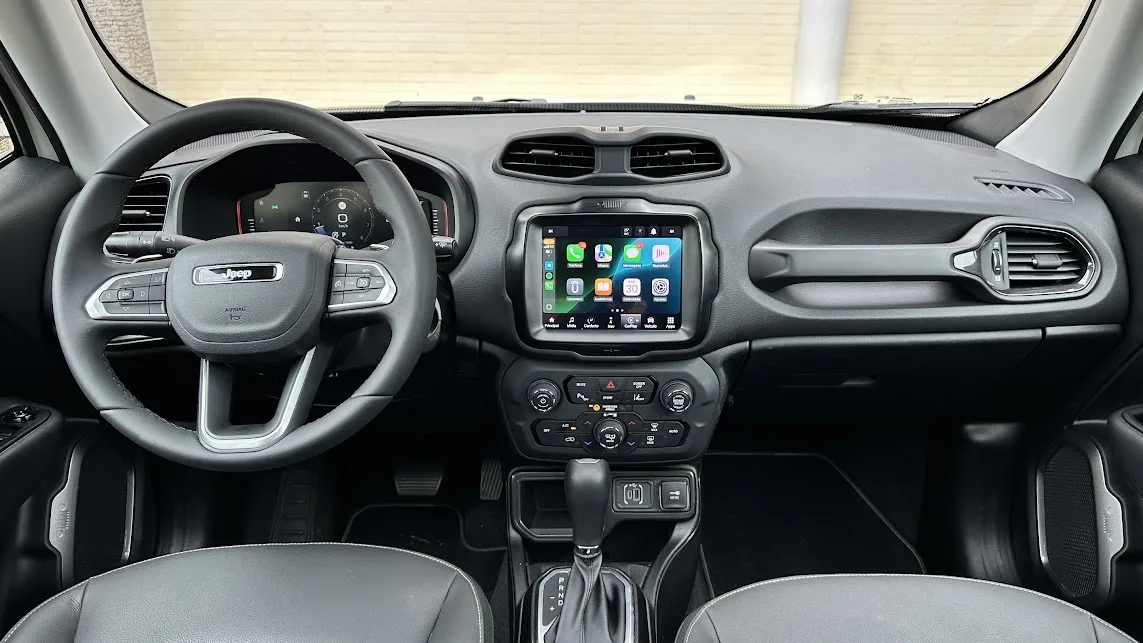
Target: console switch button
(640, 385)
(608, 384)
(675, 495)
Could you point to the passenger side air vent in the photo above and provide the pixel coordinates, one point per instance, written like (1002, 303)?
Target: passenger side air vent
(562, 157)
(673, 156)
(145, 205)
(1027, 190)
(1045, 262)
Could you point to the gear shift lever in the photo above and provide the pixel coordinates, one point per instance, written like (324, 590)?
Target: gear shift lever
(594, 609)
(587, 486)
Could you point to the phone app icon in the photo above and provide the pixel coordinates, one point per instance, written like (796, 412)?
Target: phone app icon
(632, 287)
(549, 285)
(660, 253)
(603, 253)
(575, 253)
(603, 287)
(660, 287)
(632, 253)
(574, 287)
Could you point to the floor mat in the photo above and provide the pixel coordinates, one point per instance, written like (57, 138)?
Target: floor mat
(436, 530)
(773, 515)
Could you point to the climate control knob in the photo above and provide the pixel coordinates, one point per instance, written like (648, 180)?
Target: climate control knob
(677, 396)
(544, 395)
(609, 434)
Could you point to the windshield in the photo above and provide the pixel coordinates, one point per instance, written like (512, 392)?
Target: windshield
(358, 53)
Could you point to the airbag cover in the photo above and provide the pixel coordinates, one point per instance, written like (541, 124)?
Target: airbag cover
(251, 297)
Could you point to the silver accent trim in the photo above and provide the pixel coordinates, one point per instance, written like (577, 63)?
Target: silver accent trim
(1109, 513)
(628, 603)
(1085, 283)
(95, 308)
(279, 270)
(284, 419)
(387, 293)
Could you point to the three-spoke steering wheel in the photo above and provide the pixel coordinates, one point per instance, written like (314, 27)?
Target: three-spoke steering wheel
(272, 296)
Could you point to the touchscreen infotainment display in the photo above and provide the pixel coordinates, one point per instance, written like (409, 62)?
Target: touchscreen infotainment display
(612, 277)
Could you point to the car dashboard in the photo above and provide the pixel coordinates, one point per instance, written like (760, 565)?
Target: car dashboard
(642, 271)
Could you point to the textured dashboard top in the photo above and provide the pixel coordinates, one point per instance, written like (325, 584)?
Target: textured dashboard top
(853, 181)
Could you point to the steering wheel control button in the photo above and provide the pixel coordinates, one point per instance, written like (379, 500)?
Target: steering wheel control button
(359, 284)
(634, 495)
(363, 268)
(131, 297)
(674, 495)
(543, 395)
(608, 384)
(609, 434)
(677, 396)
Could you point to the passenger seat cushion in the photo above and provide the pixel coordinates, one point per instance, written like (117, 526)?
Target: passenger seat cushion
(891, 609)
(283, 593)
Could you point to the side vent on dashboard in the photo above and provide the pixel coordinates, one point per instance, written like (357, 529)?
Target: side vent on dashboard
(146, 205)
(1044, 261)
(562, 157)
(1027, 190)
(673, 156)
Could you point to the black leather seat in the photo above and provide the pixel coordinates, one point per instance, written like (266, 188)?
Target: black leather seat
(281, 593)
(891, 609)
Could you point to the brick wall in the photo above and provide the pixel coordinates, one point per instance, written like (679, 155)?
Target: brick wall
(366, 52)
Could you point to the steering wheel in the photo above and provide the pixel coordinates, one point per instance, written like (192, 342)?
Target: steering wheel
(255, 298)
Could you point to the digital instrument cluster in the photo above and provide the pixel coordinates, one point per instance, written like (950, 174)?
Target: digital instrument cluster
(341, 210)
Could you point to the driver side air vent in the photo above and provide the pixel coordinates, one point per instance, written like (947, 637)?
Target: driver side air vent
(1042, 261)
(145, 205)
(673, 156)
(562, 157)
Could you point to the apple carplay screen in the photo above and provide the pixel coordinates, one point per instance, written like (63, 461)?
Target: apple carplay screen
(612, 277)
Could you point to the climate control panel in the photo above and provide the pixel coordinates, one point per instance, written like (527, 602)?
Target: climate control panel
(659, 412)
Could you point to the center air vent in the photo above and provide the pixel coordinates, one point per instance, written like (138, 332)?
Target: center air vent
(673, 156)
(1045, 262)
(146, 205)
(563, 157)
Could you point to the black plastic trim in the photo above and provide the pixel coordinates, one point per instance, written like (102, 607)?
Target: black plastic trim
(11, 76)
(609, 170)
(774, 264)
(519, 477)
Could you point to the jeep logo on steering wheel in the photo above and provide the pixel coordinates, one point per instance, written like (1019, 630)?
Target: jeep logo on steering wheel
(243, 273)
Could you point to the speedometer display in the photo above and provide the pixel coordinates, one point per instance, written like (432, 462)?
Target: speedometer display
(345, 215)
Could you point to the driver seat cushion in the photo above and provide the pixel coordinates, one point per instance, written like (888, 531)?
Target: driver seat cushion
(279, 592)
(887, 608)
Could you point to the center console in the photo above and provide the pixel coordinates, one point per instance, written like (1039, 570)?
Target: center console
(597, 285)
(613, 278)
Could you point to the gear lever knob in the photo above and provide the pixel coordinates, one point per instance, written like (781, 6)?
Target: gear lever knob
(587, 486)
